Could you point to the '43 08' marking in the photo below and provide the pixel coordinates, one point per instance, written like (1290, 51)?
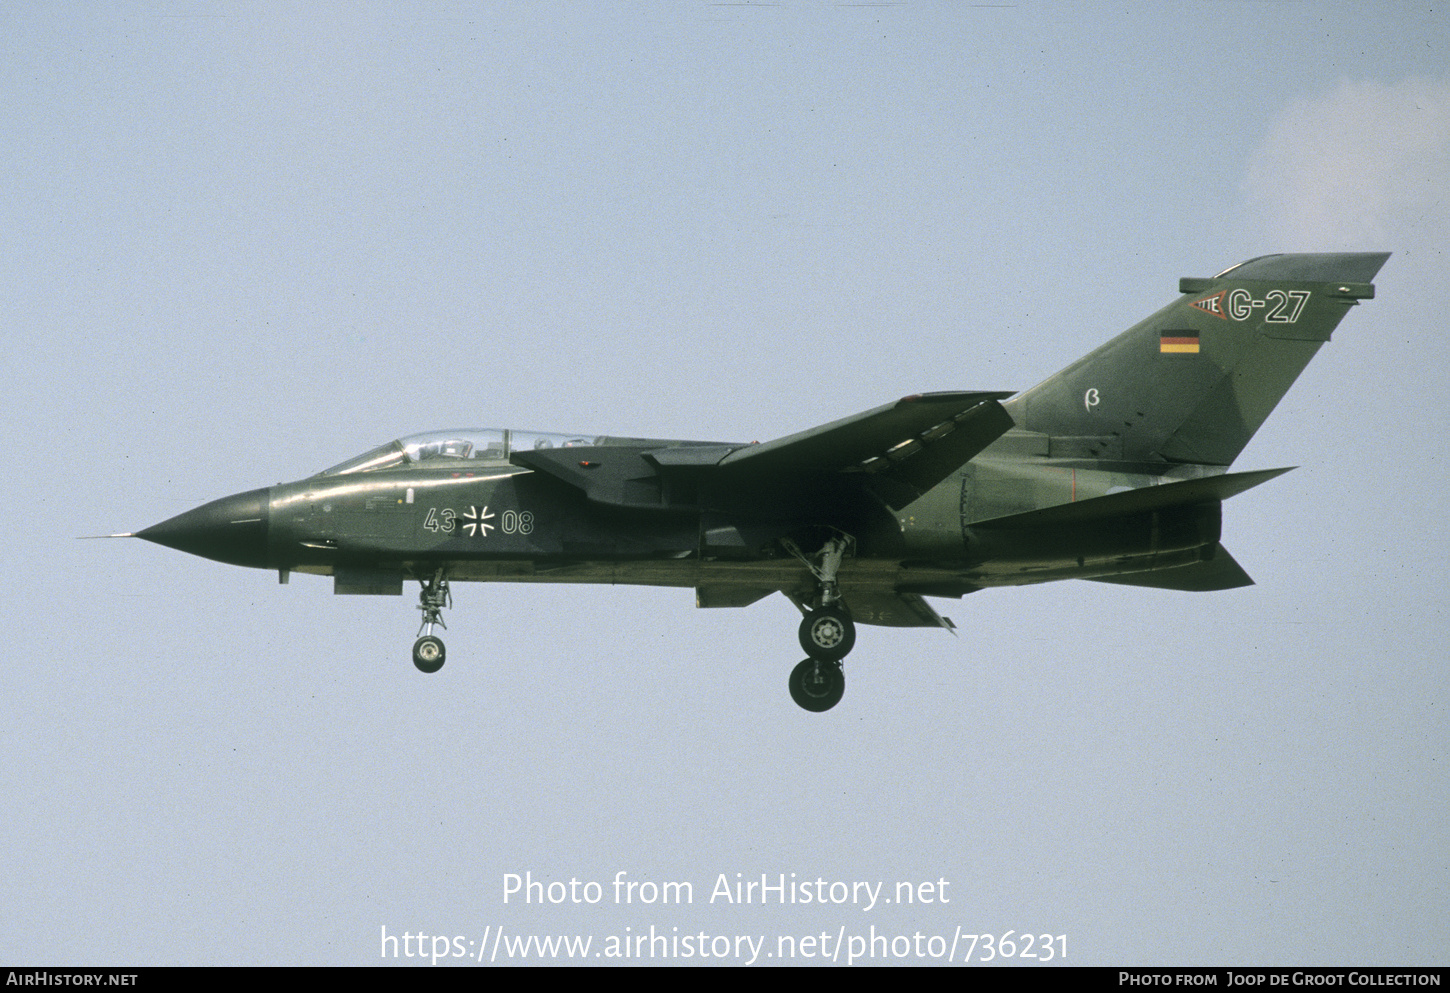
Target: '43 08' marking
(478, 522)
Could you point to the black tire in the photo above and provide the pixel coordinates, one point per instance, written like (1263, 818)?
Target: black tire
(817, 686)
(828, 634)
(428, 653)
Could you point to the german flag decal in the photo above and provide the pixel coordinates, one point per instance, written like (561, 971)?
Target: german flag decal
(1178, 343)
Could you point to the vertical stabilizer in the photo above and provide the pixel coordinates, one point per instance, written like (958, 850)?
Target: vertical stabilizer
(1193, 382)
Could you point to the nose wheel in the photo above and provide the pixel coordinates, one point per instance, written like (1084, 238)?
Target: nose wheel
(433, 598)
(428, 653)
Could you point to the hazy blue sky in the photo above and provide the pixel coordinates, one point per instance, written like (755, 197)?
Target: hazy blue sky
(244, 241)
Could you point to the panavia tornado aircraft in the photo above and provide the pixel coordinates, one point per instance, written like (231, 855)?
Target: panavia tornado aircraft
(1115, 469)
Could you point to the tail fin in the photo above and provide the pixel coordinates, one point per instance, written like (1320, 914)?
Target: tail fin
(1193, 382)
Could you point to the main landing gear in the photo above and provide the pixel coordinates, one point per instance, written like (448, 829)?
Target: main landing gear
(827, 632)
(428, 651)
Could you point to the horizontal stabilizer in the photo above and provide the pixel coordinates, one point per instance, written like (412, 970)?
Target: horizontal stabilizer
(1139, 501)
(1220, 572)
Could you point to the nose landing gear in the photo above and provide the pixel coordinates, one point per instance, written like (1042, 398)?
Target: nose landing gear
(428, 651)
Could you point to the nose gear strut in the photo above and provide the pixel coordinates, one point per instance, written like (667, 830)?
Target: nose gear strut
(433, 598)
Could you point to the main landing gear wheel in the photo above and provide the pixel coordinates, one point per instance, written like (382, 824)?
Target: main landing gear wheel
(828, 634)
(428, 654)
(817, 685)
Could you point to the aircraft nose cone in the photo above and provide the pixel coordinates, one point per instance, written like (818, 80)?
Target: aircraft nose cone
(232, 529)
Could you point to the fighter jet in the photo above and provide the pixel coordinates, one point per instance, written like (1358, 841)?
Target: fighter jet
(1114, 469)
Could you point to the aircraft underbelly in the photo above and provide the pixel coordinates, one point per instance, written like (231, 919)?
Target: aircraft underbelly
(774, 574)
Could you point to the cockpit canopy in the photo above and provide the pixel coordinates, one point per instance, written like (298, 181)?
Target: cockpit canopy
(479, 444)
